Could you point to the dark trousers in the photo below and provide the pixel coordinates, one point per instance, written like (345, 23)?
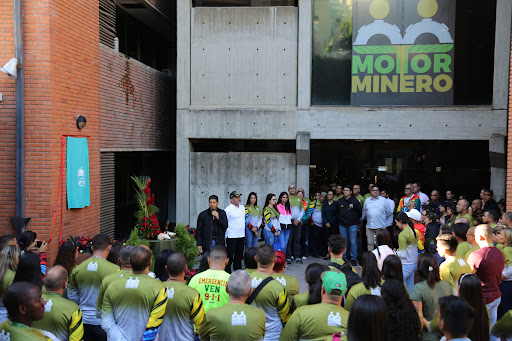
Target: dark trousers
(293, 248)
(94, 332)
(235, 248)
(318, 242)
(304, 239)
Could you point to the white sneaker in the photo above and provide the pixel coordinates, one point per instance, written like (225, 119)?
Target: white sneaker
(304, 257)
(293, 257)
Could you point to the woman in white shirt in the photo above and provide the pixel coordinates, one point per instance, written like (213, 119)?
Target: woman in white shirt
(384, 247)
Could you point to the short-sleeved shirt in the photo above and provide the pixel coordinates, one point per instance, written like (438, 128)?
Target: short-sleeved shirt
(315, 322)
(289, 282)
(233, 322)
(133, 308)
(18, 331)
(62, 318)
(84, 286)
(429, 299)
(184, 311)
(236, 221)
(211, 284)
(489, 263)
(451, 270)
(357, 290)
(273, 300)
(462, 248)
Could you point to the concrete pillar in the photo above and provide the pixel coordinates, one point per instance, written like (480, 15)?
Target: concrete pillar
(303, 150)
(183, 9)
(502, 54)
(305, 54)
(498, 166)
(183, 149)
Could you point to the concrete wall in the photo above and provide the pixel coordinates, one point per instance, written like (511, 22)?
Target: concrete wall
(244, 56)
(222, 173)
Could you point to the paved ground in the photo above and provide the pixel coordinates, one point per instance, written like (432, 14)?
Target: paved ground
(299, 271)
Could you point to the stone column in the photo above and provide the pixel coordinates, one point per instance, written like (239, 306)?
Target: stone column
(305, 54)
(498, 165)
(303, 150)
(183, 149)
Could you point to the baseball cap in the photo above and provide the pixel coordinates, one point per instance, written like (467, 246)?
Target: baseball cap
(332, 280)
(414, 214)
(234, 194)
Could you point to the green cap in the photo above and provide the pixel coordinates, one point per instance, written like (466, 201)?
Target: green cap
(332, 280)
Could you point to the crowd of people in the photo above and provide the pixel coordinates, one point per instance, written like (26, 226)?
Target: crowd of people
(435, 270)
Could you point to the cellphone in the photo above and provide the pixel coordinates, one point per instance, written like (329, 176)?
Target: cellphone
(39, 243)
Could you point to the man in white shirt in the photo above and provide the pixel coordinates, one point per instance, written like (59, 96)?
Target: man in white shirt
(235, 233)
(416, 189)
(389, 218)
(375, 210)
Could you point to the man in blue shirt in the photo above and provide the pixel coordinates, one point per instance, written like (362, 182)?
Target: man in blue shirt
(375, 211)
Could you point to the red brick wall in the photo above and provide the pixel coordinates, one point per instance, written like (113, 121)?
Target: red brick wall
(61, 81)
(7, 120)
(135, 104)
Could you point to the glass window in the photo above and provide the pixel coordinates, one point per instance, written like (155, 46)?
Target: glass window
(402, 52)
(243, 3)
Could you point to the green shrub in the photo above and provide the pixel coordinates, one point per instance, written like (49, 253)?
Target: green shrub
(186, 244)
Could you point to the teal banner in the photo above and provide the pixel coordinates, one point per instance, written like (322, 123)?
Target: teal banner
(77, 175)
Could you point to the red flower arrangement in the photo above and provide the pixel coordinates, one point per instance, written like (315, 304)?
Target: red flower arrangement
(147, 224)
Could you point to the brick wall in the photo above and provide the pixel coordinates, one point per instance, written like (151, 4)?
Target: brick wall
(135, 104)
(61, 81)
(7, 119)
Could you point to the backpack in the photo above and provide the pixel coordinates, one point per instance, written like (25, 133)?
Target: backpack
(346, 269)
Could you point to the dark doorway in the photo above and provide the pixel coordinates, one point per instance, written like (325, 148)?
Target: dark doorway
(152, 164)
(462, 166)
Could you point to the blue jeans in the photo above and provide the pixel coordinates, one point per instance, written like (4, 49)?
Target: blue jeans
(351, 241)
(493, 313)
(268, 236)
(283, 238)
(408, 271)
(250, 239)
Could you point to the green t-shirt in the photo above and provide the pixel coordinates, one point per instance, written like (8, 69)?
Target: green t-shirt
(211, 284)
(104, 285)
(507, 253)
(462, 248)
(470, 251)
(358, 290)
(289, 282)
(133, 308)
(84, 286)
(62, 318)
(361, 199)
(429, 299)
(233, 322)
(8, 278)
(315, 322)
(184, 311)
(17, 331)
(300, 300)
(250, 271)
(273, 300)
(468, 216)
(451, 270)
(336, 198)
(504, 326)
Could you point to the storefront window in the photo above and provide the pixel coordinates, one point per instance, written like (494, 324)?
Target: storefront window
(402, 52)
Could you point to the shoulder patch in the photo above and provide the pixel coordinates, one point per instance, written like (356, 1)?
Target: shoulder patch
(92, 266)
(238, 320)
(334, 320)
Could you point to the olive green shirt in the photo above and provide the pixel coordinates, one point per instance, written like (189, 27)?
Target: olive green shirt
(462, 248)
(429, 298)
(315, 322)
(451, 269)
(289, 282)
(300, 300)
(238, 322)
(470, 251)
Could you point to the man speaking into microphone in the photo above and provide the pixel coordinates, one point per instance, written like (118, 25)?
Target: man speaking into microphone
(211, 226)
